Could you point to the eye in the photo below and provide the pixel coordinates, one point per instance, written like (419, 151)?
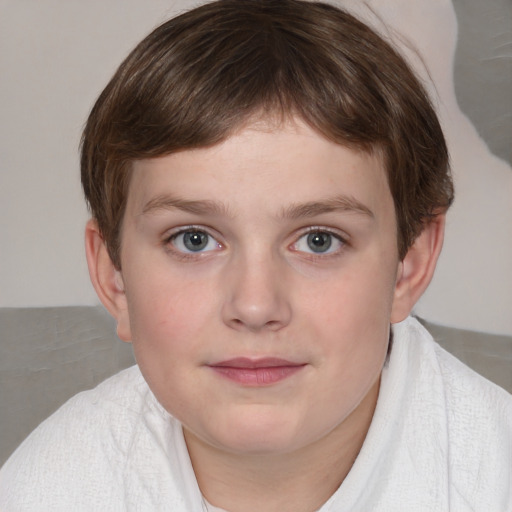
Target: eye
(318, 242)
(194, 240)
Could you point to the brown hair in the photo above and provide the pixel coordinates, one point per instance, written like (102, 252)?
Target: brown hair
(199, 77)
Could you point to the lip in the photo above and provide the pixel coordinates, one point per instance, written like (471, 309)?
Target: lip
(256, 372)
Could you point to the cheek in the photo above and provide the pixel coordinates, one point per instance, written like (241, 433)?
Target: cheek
(351, 318)
(357, 297)
(168, 333)
(166, 316)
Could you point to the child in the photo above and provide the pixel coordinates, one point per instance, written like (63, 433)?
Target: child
(268, 185)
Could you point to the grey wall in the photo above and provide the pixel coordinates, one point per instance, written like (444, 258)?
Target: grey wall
(483, 70)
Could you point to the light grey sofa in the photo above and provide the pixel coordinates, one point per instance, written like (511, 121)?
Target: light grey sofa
(49, 354)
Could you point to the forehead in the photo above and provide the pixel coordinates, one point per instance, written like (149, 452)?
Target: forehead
(265, 166)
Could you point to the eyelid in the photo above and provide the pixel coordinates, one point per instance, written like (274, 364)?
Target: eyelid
(340, 235)
(172, 234)
(342, 238)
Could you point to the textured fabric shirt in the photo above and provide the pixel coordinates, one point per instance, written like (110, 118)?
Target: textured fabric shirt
(440, 441)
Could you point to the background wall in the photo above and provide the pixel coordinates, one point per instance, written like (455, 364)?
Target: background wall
(57, 55)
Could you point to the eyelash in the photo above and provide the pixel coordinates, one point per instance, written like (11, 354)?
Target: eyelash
(169, 242)
(170, 245)
(323, 230)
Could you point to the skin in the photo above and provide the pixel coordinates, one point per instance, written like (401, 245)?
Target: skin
(258, 289)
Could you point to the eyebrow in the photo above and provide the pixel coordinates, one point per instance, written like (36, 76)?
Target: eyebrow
(340, 203)
(203, 207)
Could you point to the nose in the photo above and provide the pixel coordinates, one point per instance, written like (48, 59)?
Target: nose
(257, 295)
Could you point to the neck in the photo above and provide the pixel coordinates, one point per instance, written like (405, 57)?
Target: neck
(301, 481)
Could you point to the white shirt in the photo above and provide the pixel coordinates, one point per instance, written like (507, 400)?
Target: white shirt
(440, 440)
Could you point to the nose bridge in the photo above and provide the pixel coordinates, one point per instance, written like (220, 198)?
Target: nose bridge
(256, 295)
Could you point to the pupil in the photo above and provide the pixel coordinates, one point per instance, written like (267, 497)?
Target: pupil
(195, 240)
(319, 242)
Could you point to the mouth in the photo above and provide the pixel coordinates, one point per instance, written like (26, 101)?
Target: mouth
(256, 372)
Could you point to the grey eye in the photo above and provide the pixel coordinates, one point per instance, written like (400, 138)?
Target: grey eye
(194, 240)
(319, 241)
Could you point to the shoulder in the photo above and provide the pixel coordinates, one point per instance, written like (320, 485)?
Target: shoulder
(478, 423)
(461, 385)
(469, 396)
(88, 413)
(479, 419)
(80, 452)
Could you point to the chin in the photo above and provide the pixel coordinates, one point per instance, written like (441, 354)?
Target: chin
(258, 435)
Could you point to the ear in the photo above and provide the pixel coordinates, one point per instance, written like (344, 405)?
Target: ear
(107, 279)
(417, 268)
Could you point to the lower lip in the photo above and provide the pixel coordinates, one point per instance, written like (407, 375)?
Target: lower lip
(257, 376)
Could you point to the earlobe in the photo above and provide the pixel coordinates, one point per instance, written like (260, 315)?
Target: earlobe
(417, 268)
(107, 279)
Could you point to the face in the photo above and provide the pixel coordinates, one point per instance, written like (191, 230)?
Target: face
(259, 279)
